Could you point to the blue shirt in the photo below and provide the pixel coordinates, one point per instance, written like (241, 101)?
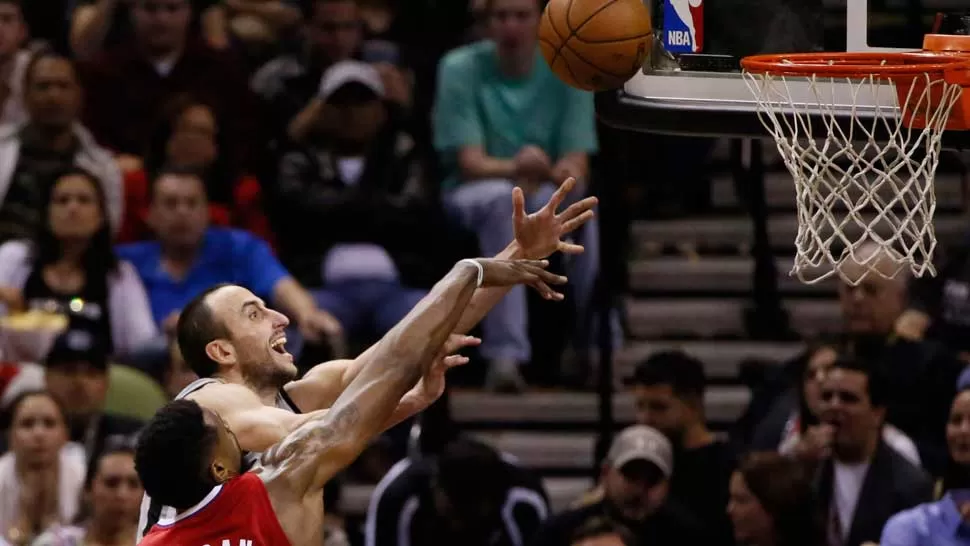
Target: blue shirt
(227, 256)
(477, 105)
(930, 524)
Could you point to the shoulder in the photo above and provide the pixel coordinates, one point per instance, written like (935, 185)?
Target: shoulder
(14, 250)
(907, 477)
(468, 59)
(136, 253)
(913, 521)
(126, 271)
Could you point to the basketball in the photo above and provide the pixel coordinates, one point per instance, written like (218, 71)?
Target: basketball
(595, 44)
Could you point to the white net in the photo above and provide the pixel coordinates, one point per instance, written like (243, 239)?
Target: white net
(861, 176)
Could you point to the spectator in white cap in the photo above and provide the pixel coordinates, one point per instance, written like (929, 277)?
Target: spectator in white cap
(633, 495)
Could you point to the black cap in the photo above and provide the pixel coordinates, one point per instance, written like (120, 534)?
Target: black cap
(75, 346)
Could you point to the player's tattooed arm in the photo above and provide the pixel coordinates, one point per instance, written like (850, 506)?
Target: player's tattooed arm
(310, 455)
(321, 447)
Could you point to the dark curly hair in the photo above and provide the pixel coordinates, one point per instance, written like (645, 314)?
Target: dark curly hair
(173, 453)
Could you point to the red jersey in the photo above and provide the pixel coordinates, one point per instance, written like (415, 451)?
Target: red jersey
(236, 513)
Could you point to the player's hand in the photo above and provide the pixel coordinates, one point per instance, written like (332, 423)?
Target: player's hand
(532, 164)
(432, 385)
(528, 272)
(540, 234)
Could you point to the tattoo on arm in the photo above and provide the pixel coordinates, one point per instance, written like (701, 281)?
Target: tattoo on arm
(313, 437)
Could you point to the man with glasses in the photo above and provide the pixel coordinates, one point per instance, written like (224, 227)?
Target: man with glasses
(864, 482)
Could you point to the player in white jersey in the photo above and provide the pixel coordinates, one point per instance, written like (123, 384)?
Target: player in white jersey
(247, 377)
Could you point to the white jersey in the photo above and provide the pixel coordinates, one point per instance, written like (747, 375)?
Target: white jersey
(152, 512)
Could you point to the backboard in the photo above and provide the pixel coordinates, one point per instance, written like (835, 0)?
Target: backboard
(705, 94)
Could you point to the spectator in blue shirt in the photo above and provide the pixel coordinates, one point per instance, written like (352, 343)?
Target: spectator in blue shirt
(945, 522)
(188, 256)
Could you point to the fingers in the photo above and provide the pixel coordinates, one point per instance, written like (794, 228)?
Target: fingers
(570, 248)
(540, 279)
(452, 361)
(518, 205)
(560, 194)
(577, 214)
(456, 342)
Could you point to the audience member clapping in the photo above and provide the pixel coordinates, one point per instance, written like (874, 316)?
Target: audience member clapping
(42, 476)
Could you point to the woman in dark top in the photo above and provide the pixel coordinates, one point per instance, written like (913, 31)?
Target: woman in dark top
(70, 267)
(772, 503)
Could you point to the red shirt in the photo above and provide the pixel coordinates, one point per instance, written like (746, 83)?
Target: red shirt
(236, 513)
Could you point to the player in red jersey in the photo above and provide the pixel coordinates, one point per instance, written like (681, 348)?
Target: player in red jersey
(190, 459)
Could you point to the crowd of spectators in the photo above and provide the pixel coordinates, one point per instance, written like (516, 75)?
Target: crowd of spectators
(334, 156)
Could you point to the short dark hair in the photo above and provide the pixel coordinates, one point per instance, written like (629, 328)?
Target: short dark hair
(471, 473)
(47, 53)
(173, 453)
(684, 373)
(197, 327)
(876, 382)
(15, 3)
(177, 172)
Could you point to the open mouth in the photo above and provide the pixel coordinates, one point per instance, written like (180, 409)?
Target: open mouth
(279, 345)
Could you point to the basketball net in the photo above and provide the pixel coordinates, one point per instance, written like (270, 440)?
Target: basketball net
(852, 189)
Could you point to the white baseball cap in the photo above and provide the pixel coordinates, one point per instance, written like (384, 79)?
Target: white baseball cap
(345, 72)
(642, 443)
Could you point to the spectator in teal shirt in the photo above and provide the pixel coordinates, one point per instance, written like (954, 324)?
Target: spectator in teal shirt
(502, 119)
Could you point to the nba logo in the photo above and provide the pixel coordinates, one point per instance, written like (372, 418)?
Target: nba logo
(683, 26)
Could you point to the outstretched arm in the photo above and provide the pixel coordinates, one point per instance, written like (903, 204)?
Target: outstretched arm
(537, 236)
(308, 457)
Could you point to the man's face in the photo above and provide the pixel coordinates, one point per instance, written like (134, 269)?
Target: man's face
(360, 115)
(873, 306)
(80, 388)
(13, 31)
(847, 407)
(636, 490)
(514, 25)
(161, 26)
(658, 407)
(335, 30)
(257, 337)
(52, 94)
(179, 212)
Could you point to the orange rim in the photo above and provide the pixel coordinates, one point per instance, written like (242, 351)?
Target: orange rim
(949, 43)
(855, 65)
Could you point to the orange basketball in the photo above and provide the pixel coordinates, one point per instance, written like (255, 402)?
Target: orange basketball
(595, 44)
